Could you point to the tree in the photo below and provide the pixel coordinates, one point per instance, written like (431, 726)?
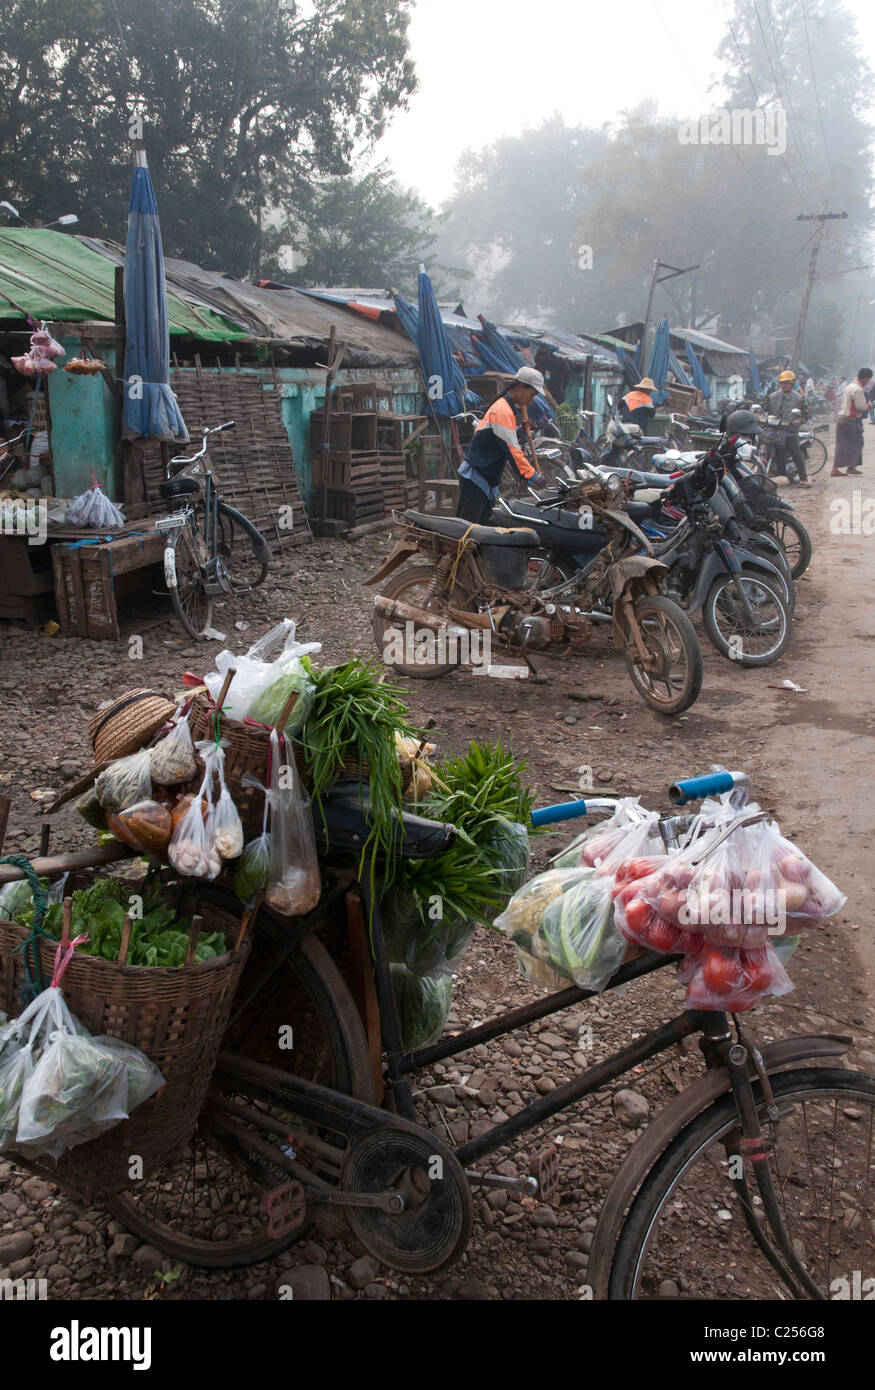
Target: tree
(243, 102)
(363, 231)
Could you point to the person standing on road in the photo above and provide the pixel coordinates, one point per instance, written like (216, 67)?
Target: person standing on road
(782, 403)
(494, 445)
(849, 425)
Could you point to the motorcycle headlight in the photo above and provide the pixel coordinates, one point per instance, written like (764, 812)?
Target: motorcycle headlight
(613, 482)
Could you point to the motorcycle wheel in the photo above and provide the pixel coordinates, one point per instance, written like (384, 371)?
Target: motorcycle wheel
(817, 456)
(732, 634)
(782, 564)
(673, 685)
(542, 572)
(789, 532)
(411, 586)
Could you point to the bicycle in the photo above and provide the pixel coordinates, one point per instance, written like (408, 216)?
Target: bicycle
(206, 539)
(755, 1182)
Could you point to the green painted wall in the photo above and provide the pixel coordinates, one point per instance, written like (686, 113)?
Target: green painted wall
(83, 425)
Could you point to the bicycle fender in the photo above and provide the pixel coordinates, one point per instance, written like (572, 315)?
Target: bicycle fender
(169, 567)
(668, 1124)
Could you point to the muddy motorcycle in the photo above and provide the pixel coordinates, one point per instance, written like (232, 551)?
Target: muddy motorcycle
(470, 584)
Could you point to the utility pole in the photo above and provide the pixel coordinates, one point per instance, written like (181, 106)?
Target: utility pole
(821, 218)
(657, 279)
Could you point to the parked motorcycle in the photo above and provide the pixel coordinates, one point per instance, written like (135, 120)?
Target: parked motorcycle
(744, 598)
(472, 580)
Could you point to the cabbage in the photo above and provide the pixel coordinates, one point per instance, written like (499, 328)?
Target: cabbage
(269, 705)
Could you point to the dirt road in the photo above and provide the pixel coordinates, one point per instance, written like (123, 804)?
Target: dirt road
(809, 756)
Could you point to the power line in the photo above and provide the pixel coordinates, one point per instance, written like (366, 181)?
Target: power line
(785, 104)
(814, 85)
(748, 171)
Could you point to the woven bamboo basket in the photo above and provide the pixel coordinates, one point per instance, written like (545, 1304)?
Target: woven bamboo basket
(176, 1016)
(128, 724)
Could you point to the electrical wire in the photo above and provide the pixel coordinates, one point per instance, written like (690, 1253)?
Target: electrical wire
(734, 149)
(786, 107)
(814, 86)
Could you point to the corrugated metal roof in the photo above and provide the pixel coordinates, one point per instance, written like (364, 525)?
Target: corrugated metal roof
(281, 316)
(58, 277)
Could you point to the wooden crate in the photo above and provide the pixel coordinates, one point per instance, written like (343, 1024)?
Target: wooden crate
(25, 570)
(35, 609)
(94, 582)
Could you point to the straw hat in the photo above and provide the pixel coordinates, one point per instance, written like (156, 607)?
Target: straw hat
(646, 384)
(128, 723)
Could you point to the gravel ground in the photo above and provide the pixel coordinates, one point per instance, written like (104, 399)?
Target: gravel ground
(521, 1248)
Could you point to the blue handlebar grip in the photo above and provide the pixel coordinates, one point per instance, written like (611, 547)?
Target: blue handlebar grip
(693, 788)
(565, 810)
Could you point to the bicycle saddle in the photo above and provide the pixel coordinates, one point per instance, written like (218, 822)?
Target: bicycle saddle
(343, 823)
(178, 487)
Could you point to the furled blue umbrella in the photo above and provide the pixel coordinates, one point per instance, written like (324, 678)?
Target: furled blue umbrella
(754, 373)
(150, 407)
(435, 354)
(658, 367)
(499, 355)
(680, 373)
(630, 371)
(699, 378)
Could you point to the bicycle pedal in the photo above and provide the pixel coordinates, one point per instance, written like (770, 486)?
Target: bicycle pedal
(544, 1168)
(285, 1208)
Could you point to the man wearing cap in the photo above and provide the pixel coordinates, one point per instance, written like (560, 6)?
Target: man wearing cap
(782, 403)
(636, 407)
(494, 445)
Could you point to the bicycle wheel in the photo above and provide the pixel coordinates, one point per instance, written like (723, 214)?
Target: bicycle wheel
(687, 1223)
(817, 456)
(673, 682)
(205, 1208)
(756, 643)
(184, 556)
(789, 532)
(242, 548)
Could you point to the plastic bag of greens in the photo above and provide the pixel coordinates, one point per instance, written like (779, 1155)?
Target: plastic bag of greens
(172, 759)
(577, 935)
(144, 1078)
(267, 707)
(423, 1003)
(15, 1069)
(505, 848)
(295, 884)
(426, 944)
(125, 782)
(253, 871)
(90, 809)
(258, 668)
(14, 898)
(528, 904)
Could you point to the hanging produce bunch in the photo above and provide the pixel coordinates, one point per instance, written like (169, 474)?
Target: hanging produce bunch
(732, 901)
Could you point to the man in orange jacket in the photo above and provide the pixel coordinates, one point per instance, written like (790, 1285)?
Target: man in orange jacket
(636, 407)
(494, 445)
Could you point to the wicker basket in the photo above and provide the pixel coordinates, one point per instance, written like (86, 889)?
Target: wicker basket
(246, 753)
(176, 1016)
(128, 723)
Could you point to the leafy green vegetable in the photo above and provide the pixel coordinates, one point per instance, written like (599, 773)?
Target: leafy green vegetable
(269, 705)
(423, 1004)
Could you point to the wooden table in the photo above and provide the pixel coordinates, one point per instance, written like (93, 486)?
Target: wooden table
(91, 579)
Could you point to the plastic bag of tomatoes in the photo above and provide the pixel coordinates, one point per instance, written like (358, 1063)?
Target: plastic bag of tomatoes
(733, 980)
(616, 838)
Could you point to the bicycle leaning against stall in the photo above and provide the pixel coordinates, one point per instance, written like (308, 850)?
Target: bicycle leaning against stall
(756, 1181)
(212, 550)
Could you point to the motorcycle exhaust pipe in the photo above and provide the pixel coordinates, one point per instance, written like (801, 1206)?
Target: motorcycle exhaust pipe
(396, 611)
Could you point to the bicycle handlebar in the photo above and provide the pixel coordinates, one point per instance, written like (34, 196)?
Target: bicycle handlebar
(565, 810)
(694, 788)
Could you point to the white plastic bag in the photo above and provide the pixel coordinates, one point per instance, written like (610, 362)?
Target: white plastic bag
(172, 759)
(295, 884)
(93, 508)
(271, 657)
(125, 782)
(192, 850)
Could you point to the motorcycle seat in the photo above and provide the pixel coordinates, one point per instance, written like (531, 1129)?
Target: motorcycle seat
(343, 823)
(456, 527)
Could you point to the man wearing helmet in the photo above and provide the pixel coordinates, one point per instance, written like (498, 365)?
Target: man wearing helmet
(494, 445)
(783, 403)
